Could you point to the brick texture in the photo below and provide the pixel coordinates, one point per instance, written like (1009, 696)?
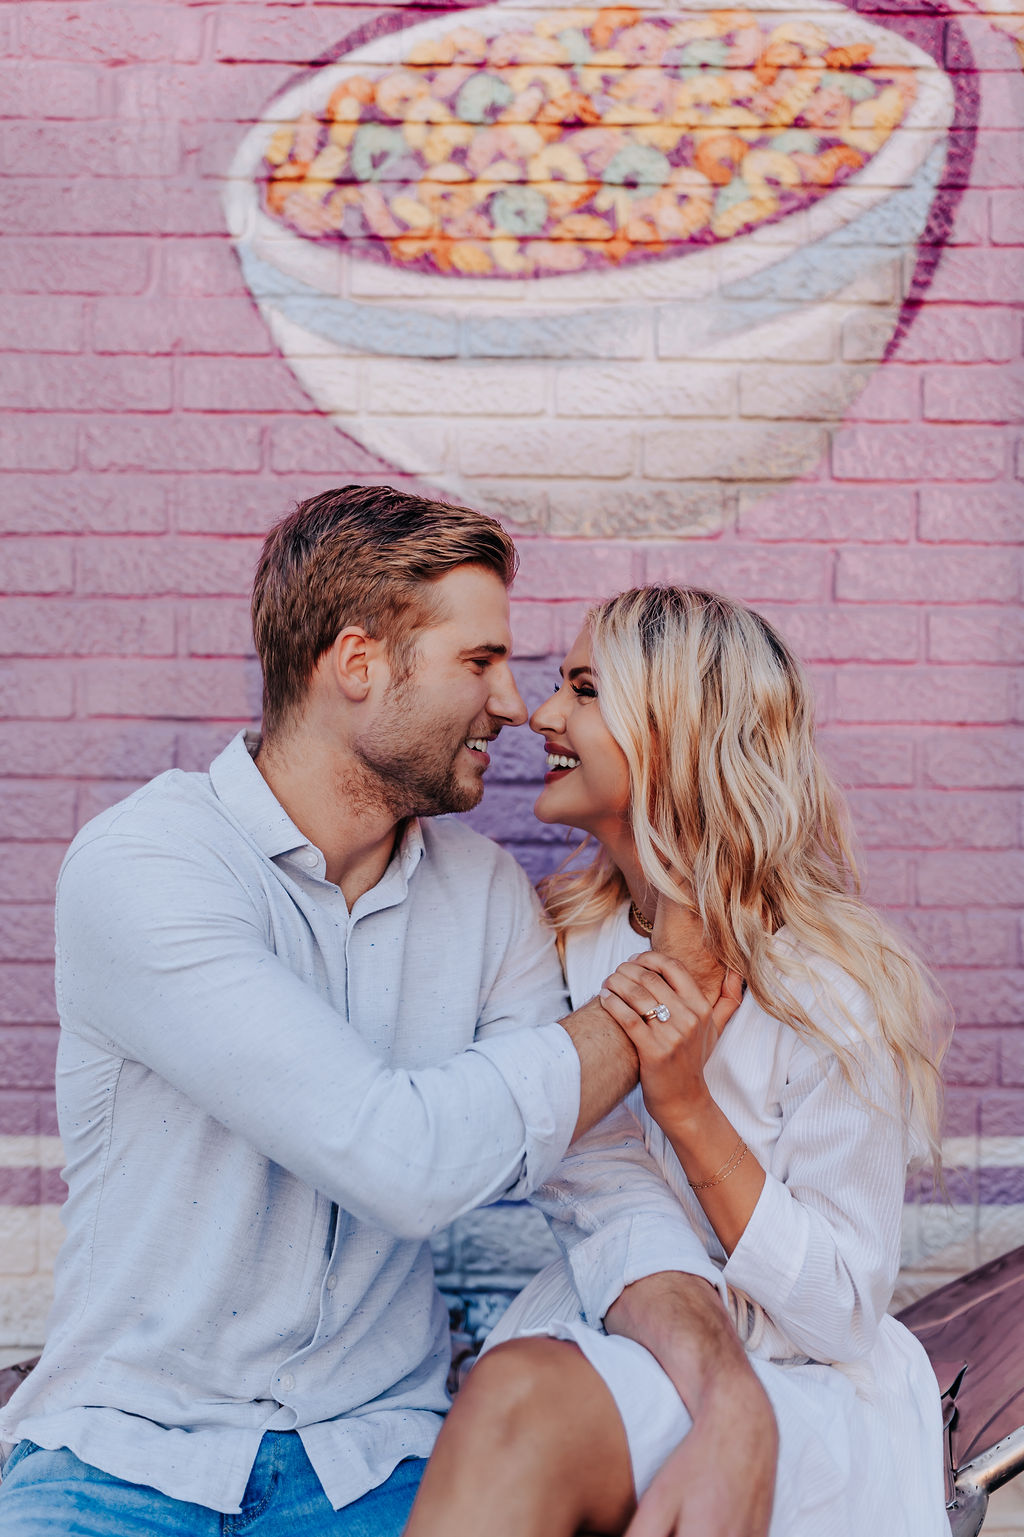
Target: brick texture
(151, 431)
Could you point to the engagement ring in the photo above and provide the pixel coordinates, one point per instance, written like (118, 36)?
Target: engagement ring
(661, 1012)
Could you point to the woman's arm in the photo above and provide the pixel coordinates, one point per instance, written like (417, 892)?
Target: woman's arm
(610, 1208)
(724, 1175)
(814, 1239)
(615, 1218)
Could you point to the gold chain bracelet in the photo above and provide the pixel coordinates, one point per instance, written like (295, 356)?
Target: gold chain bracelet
(730, 1166)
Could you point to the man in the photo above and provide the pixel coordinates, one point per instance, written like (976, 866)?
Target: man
(302, 1030)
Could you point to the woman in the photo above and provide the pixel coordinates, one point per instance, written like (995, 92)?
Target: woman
(681, 740)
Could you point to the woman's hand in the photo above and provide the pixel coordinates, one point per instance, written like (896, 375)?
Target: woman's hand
(674, 1049)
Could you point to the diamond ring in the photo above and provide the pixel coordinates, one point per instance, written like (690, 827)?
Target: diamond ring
(661, 1012)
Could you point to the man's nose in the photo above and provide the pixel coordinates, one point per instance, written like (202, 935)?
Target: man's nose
(506, 702)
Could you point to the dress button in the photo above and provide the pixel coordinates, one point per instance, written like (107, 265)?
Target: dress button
(332, 1281)
(287, 1382)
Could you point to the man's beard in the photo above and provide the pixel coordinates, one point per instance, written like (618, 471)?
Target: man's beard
(415, 775)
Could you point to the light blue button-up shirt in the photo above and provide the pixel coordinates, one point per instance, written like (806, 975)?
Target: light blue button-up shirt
(268, 1103)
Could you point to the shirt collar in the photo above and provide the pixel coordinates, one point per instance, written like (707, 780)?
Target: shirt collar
(393, 886)
(240, 786)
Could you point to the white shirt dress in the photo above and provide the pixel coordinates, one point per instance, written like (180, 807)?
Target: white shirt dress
(857, 1404)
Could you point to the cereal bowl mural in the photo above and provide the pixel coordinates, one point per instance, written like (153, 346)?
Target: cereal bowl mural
(567, 233)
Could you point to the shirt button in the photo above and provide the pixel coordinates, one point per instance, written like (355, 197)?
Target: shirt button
(332, 1281)
(287, 1382)
(310, 860)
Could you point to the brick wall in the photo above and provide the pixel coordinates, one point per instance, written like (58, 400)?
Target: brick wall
(154, 430)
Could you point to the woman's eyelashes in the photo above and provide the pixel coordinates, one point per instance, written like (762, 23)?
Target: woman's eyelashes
(580, 689)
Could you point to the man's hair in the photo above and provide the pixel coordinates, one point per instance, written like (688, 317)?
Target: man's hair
(359, 555)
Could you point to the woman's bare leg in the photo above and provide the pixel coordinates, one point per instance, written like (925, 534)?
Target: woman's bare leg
(534, 1447)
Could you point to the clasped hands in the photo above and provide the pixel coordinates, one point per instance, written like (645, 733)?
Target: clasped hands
(673, 1007)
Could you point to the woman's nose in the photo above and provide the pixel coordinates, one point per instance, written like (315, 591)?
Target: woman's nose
(548, 719)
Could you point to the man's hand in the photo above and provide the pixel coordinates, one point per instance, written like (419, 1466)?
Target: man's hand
(679, 933)
(720, 1480)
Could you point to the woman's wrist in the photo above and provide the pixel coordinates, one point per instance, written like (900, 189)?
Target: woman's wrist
(691, 1126)
(707, 1144)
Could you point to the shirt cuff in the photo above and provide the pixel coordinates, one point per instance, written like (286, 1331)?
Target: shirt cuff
(631, 1248)
(541, 1070)
(770, 1255)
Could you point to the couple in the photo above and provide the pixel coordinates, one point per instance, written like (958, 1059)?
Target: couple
(304, 1026)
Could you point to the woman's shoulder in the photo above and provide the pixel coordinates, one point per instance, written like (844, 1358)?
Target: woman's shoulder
(816, 979)
(836, 1003)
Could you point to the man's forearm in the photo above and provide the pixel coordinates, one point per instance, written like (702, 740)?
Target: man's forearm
(720, 1480)
(680, 1319)
(608, 1062)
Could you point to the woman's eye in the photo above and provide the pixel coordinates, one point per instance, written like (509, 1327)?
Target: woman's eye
(584, 691)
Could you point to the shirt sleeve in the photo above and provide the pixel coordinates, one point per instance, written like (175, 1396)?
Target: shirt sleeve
(165, 958)
(616, 1219)
(821, 1251)
(523, 987)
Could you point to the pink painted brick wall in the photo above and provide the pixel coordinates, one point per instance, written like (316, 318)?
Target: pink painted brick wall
(152, 432)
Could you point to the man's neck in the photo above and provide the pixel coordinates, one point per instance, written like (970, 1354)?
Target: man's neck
(333, 801)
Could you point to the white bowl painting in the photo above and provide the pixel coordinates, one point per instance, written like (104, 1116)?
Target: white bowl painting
(601, 259)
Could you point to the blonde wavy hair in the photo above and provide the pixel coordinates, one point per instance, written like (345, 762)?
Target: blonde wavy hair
(728, 794)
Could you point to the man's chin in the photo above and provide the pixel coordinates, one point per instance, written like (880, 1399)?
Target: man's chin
(469, 794)
(462, 795)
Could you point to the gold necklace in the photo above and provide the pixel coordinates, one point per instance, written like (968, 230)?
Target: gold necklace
(641, 922)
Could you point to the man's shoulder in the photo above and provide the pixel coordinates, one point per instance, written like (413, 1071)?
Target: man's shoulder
(176, 809)
(452, 849)
(451, 844)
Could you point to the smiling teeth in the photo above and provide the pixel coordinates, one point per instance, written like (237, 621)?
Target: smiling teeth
(477, 743)
(561, 761)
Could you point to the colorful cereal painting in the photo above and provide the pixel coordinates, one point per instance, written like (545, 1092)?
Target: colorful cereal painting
(599, 210)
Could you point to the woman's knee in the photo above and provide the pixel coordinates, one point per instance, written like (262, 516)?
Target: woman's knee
(542, 1397)
(520, 1386)
(534, 1422)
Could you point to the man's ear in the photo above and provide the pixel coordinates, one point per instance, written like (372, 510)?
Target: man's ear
(353, 663)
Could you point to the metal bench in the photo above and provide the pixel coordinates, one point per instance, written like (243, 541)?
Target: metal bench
(973, 1331)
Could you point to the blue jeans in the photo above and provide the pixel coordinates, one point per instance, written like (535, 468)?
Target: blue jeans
(54, 1494)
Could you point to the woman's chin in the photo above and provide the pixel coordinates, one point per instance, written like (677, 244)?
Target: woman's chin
(541, 809)
(546, 808)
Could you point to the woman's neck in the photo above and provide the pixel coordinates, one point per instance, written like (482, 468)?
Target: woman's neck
(641, 893)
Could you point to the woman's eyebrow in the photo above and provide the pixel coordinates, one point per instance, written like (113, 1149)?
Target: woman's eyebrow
(577, 672)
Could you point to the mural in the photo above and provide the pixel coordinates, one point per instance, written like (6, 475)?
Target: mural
(728, 294)
(607, 215)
